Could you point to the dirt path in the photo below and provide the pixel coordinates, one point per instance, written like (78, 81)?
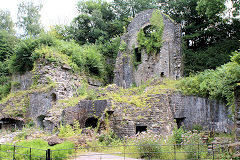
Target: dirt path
(101, 156)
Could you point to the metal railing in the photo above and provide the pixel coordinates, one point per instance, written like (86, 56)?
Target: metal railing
(123, 152)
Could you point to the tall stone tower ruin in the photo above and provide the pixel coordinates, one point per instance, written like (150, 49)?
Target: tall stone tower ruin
(134, 65)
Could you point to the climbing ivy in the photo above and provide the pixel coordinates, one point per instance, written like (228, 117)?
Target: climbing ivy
(153, 41)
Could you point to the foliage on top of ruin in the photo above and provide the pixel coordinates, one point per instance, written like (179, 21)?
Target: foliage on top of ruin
(151, 38)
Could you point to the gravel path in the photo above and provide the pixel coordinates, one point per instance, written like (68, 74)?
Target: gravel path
(101, 156)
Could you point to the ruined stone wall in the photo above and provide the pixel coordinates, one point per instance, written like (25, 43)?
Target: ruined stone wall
(166, 63)
(83, 110)
(66, 81)
(237, 110)
(210, 114)
(156, 116)
(39, 90)
(21, 81)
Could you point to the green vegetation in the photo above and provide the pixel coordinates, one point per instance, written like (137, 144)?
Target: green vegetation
(150, 38)
(89, 47)
(137, 96)
(197, 60)
(29, 18)
(16, 103)
(216, 84)
(6, 22)
(41, 145)
(177, 135)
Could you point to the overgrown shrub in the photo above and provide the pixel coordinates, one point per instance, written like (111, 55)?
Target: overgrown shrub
(197, 127)
(216, 84)
(151, 38)
(5, 86)
(22, 61)
(177, 135)
(68, 130)
(192, 144)
(108, 138)
(148, 145)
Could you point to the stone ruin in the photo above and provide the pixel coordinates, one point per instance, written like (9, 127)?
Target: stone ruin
(166, 63)
(162, 113)
(237, 111)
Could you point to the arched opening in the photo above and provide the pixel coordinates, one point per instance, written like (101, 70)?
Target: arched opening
(10, 124)
(40, 121)
(179, 122)
(91, 122)
(54, 97)
(148, 30)
(162, 74)
(138, 55)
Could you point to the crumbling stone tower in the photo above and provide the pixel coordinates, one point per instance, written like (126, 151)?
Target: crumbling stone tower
(135, 63)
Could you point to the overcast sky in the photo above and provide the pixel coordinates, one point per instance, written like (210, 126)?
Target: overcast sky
(53, 11)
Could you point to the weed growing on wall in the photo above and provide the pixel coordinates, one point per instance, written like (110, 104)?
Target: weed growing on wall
(150, 38)
(138, 96)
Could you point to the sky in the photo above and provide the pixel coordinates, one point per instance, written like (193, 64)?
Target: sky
(53, 11)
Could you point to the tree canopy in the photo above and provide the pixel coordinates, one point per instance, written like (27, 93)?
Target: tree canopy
(6, 22)
(29, 18)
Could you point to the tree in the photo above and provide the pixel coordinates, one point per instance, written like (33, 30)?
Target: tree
(211, 8)
(7, 43)
(129, 8)
(236, 7)
(29, 18)
(202, 21)
(208, 38)
(96, 20)
(6, 22)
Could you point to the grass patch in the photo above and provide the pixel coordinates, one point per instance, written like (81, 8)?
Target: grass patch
(38, 149)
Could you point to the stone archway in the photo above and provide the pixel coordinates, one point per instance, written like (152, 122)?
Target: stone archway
(91, 122)
(40, 121)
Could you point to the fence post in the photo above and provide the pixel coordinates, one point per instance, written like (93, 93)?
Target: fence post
(14, 148)
(198, 151)
(30, 156)
(175, 156)
(48, 154)
(124, 148)
(212, 151)
(75, 153)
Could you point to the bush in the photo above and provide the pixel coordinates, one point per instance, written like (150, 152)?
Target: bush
(191, 141)
(108, 138)
(66, 131)
(148, 145)
(216, 84)
(177, 135)
(5, 87)
(236, 57)
(87, 57)
(197, 127)
(22, 61)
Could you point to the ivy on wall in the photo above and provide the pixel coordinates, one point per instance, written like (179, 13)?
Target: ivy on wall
(150, 37)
